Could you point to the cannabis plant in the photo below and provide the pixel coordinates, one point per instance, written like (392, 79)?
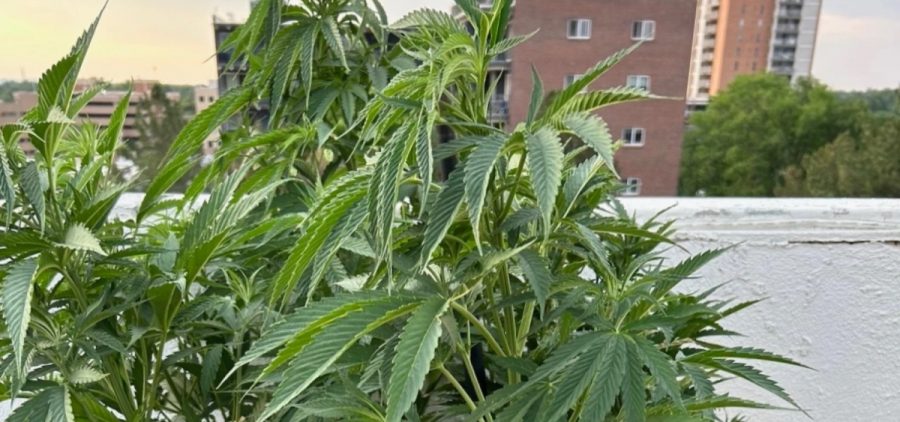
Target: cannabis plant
(349, 261)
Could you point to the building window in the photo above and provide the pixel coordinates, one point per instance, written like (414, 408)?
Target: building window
(632, 187)
(211, 99)
(633, 136)
(201, 98)
(643, 30)
(638, 81)
(579, 29)
(570, 79)
(736, 65)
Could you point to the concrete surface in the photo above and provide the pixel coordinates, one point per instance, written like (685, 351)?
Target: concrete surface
(828, 269)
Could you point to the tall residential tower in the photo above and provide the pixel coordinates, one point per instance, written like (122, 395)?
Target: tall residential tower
(734, 37)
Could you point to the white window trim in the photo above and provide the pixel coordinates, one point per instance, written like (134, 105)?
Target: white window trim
(625, 141)
(636, 78)
(580, 21)
(642, 37)
(632, 186)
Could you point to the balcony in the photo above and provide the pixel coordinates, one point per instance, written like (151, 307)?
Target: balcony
(498, 111)
(782, 69)
(500, 62)
(785, 41)
(790, 13)
(783, 56)
(788, 27)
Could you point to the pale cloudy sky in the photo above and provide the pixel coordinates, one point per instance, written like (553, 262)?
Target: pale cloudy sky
(170, 40)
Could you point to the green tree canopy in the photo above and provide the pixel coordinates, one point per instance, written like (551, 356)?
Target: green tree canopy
(865, 165)
(7, 88)
(756, 128)
(882, 102)
(159, 120)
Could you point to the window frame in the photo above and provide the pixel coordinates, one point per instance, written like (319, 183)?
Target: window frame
(630, 142)
(642, 36)
(632, 186)
(578, 26)
(646, 86)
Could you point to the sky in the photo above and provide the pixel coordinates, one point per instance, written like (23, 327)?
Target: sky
(172, 41)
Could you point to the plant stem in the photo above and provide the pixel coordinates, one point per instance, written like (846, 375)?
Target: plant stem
(470, 370)
(512, 194)
(524, 327)
(492, 343)
(459, 388)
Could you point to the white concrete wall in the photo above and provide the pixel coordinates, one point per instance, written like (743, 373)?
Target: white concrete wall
(830, 272)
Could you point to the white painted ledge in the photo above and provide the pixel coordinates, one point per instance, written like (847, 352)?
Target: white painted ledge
(776, 220)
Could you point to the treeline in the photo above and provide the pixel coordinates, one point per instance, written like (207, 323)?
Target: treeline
(764, 136)
(7, 88)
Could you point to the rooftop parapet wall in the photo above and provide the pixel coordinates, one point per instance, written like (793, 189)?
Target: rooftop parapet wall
(829, 273)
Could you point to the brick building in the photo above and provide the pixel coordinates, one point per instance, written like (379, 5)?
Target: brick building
(98, 111)
(574, 35)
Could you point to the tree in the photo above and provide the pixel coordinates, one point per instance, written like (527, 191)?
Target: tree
(881, 102)
(756, 128)
(8, 88)
(865, 165)
(159, 120)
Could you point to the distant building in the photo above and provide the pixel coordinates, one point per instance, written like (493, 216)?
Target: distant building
(736, 37)
(231, 73)
(11, 112)
(98, 111)
(574, 35)
(204, 96)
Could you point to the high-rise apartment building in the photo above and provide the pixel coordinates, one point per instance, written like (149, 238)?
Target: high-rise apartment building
(574, 35)
(231, 73)
(735, 37)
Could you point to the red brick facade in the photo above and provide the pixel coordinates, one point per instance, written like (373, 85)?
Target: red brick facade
(666, 59)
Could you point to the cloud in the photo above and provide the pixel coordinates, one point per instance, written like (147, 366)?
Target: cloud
(396, 9)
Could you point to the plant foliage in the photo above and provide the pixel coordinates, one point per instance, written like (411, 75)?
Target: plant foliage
(330, 272)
